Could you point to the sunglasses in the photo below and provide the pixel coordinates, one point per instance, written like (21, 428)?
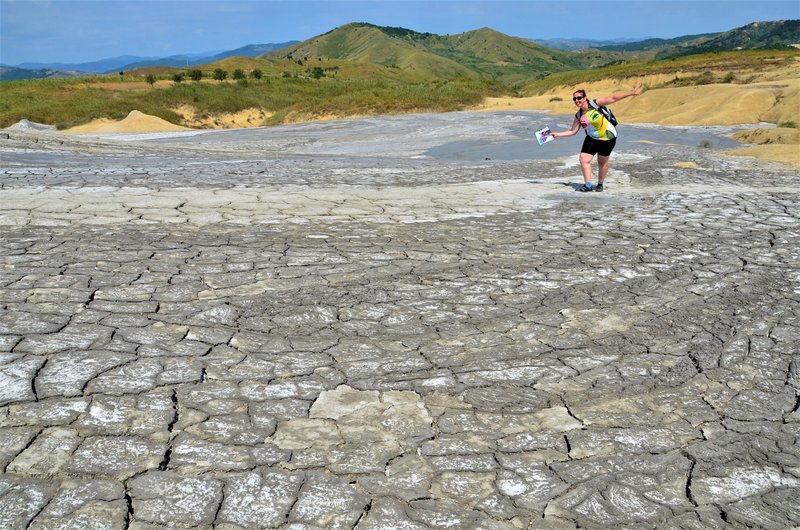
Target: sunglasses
(577, 98)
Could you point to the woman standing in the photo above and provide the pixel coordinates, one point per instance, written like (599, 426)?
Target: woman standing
(601, 135)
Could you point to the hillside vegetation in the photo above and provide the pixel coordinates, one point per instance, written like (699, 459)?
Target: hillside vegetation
(364, 43)
(361, 69)
(348, 90)
(737, 67)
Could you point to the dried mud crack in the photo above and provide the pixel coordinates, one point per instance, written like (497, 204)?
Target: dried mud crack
(232, 331)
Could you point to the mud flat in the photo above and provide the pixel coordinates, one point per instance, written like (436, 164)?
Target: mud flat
(396, 322)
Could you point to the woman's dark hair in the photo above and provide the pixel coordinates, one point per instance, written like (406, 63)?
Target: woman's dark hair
(580, 91)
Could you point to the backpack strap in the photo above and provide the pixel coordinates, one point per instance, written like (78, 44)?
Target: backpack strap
(593, 104)
(605, 111)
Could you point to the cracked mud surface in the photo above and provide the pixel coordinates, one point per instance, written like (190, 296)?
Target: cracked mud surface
(356, 325)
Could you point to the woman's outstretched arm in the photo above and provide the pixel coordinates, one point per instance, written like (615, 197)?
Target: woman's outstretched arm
(608, 100)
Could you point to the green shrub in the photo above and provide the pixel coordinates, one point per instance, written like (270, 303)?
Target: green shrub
(706, 78)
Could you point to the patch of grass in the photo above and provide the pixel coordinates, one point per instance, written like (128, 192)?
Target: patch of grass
(69, 102)
(61, 102)
(788, 124)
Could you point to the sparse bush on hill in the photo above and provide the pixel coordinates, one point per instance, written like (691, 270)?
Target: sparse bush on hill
(256, 74)
(151, 79)
(239, 74)
(195, 75)
(220, 75)
(178, 77)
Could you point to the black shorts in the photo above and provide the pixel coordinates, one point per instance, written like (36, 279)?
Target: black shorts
(598, 147)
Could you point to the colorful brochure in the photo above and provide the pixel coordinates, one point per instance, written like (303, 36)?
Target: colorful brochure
(544, 135)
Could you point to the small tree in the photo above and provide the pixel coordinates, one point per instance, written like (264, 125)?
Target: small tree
(317, 72)
(177, 77)
(150, 79)
(220, 75)
(257, 74)
(196, 75)
(239, 74)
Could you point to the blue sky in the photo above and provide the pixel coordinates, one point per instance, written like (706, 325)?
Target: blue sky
(77, 31)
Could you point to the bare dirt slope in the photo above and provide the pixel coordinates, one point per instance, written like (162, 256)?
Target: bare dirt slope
(772, 98)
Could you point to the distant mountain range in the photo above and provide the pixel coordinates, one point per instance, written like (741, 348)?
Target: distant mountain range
(11, 73)
(182, 61)
(758, 35)
(581, 44)
(97, 67)
(131, 62)
(479, 53)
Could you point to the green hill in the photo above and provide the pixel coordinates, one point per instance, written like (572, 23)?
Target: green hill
(493, 54)
(479, 53)
(366, 43)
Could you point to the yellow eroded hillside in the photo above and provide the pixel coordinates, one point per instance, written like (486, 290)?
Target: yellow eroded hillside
(135, 122)
(773, 98)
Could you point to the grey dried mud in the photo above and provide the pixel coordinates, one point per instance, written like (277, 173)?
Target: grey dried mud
(336, 325)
